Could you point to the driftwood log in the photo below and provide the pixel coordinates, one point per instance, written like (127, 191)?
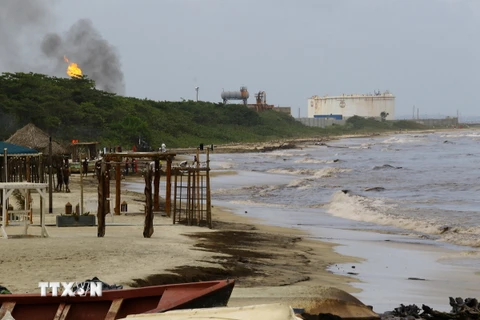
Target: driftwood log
(148, 228)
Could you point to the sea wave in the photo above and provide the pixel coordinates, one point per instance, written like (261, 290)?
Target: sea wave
(312, 160)
(378, 211)
(292, 171)
(257, 204)
(312, 174)
(329, 172)
(285, 154)
(405, 139)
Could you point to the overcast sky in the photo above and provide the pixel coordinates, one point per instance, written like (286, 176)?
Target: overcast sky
(424, 51)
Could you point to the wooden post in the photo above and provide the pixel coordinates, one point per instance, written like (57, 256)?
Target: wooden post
(189, 206)
(156, 186)
(27, 191)
(50, 176)
(27, 169)
(41, 169)
(174, 195)
(101, 212)
(148, 227)
(197, 195)
(118, 178)
(42, 214)
(107, 186)
(209, 202)
(168, 193)
(81, 184)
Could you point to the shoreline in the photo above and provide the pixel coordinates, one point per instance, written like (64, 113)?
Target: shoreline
(449, 280)
(294, 143)
(268, 259)
(119, 254)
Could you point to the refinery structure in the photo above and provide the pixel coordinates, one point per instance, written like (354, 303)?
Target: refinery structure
(377, 105)
(260, 100)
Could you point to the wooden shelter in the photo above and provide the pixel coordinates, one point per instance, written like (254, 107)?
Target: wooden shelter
(152, 166)
(81, 150)
(19, 163)
(33, 137)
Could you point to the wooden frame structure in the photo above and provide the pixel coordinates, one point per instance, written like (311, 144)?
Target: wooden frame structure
(85, 149)
(7, 190)
(116, 159)
(192, 196)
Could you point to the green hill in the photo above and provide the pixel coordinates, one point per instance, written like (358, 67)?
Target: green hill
(73, 109)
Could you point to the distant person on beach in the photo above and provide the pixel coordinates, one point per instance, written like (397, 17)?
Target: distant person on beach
(66, 177)
(85, 167)
(134, 166)
(126, 167)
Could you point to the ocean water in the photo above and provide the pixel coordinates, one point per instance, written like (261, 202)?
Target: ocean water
(424, 185)
(377, 197)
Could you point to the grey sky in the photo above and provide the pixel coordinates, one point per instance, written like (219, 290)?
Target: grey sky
(425, 52)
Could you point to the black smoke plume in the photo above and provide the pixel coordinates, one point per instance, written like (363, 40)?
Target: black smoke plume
(83, 45)
(27, 44)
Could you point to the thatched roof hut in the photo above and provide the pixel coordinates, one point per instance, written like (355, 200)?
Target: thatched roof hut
(33, 137)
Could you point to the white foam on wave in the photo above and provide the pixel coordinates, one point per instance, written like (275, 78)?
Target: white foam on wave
(224, 165)
(362, 146)
(292, 171)
(329, 172)
(258, 190)
(300, 184)
(461, 135)
(377, 211)
(311, 160)
(257, 204)
(285, 154)
(305, 183)
(405, 139)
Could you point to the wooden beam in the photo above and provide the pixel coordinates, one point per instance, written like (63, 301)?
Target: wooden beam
(209, 200)
(197, 195)
(60, 311)
(168, 193)
(114, 308)
(174, 196)
(101, 212)
(148, 227)
(107, 187)
(156, 186)
(118, 177)
(6, 306)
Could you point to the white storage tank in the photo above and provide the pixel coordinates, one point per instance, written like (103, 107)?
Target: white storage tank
(345, 106)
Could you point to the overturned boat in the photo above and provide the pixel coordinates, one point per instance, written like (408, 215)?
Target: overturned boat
(117, 304)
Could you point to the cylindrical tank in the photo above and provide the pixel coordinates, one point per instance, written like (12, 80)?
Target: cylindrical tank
(236, 95)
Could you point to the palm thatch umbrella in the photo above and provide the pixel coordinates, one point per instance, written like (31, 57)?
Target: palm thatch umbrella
(33, 137)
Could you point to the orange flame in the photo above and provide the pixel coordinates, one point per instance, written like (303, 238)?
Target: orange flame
(73, 69)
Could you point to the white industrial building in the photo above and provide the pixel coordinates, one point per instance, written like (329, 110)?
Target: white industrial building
(345, 106)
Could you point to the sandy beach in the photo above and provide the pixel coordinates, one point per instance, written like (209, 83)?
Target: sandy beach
(270, 264)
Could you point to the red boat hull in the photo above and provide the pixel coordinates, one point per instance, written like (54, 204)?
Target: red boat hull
(116, 304)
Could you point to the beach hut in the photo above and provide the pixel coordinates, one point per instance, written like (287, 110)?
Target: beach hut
(17, 162)
(31, 136)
